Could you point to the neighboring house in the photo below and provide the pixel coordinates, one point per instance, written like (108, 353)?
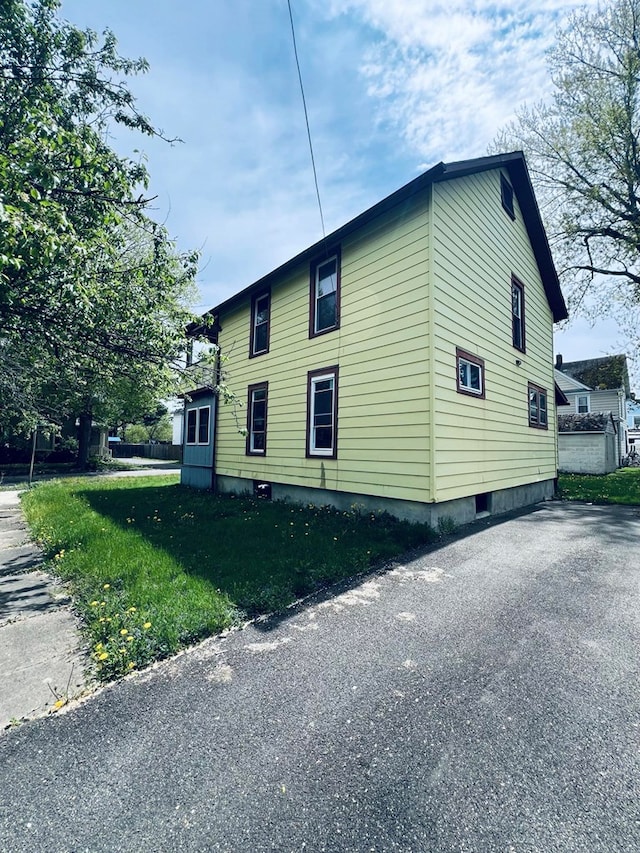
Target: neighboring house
(633, 415)
(598, 385)
(404, 363)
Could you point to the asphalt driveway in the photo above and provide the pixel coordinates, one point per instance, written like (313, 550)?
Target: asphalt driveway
(483, 697)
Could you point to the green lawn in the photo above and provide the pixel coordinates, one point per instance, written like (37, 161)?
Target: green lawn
(153, 566)
(620, 487)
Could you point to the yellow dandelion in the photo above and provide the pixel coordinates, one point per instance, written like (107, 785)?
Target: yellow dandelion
(59, 703)
(103, 656)
(131, 610)
(122, 651)
(146, 625)
(123, 631)
(131, 664)
(102, 603)
(130, 639)
(94, 603)
(107, 586)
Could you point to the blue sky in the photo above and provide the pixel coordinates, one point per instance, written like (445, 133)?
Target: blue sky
(392, 87)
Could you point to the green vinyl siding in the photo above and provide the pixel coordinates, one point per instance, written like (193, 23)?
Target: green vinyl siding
(382, 352)
(481, 445)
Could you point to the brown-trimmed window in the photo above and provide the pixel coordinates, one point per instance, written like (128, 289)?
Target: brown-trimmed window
(538, 413)
(469, 374)
(324, 297)
(257, 419)
(506, 196)
(517, 314)
(260, 323)
(322, 412)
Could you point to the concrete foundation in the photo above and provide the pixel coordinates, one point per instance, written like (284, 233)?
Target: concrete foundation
(459, 511)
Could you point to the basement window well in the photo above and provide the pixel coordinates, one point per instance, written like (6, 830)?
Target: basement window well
(483, 504)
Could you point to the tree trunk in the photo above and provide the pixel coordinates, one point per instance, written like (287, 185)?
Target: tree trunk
(84, 439)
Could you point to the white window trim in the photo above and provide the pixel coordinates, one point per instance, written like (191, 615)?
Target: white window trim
(313, 381)
(197, 441)
(463, 386)
(254, 389)
(587, 397)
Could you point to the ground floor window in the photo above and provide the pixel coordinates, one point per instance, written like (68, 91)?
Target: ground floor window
(257, 419)
(537, 407)
(469, 373)
(198, 425)
(322, 412)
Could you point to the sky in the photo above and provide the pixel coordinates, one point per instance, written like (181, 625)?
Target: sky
(392, 87)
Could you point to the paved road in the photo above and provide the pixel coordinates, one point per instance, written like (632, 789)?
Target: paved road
(483, 697)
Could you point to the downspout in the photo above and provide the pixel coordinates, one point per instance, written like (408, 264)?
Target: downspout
(431, 348)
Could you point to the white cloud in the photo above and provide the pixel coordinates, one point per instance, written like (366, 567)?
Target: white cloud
(447, 76)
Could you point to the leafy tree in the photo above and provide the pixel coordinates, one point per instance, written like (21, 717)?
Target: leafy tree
(93, 295)
(583, 149)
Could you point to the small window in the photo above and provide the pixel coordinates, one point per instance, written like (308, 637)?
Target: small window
(322, 412)
(192, 422)
(257, 419)
(260, 323)
(506, 194)
(517, 314)
(324, 309)
(469, 374)
(203, 425)
(582, 404)
(537, 407)
(636, 421)
(198, 423)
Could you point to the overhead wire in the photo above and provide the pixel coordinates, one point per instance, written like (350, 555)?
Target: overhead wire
(306, 117)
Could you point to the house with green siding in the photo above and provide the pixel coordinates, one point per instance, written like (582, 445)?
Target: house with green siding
(403, 363)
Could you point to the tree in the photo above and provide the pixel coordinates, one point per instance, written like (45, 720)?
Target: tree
(584, 156)
(92, 291)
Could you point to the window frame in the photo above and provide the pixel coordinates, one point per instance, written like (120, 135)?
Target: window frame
(255, 299)
(257, 386)
(196, 441)
(314, 376)
(586, 397)
(469, 358)
(518, 285)
(537, 390)
(506, 197)
(334, 252)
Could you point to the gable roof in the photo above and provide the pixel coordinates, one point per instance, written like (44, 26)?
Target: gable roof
(567, 383)
(607, 373)
(515, 166)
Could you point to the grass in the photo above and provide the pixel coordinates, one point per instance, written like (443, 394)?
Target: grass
(154, 567)
(620, 487)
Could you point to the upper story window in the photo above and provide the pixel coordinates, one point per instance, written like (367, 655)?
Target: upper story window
(322, 412)
(260, 323)
(324, 308)
(506, 195)
(257, 419)
(537, 407)
(517, 314)
(469, 374)
(582, 404)
(198, 421)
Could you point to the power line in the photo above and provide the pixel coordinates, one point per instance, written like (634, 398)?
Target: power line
(306, 118)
